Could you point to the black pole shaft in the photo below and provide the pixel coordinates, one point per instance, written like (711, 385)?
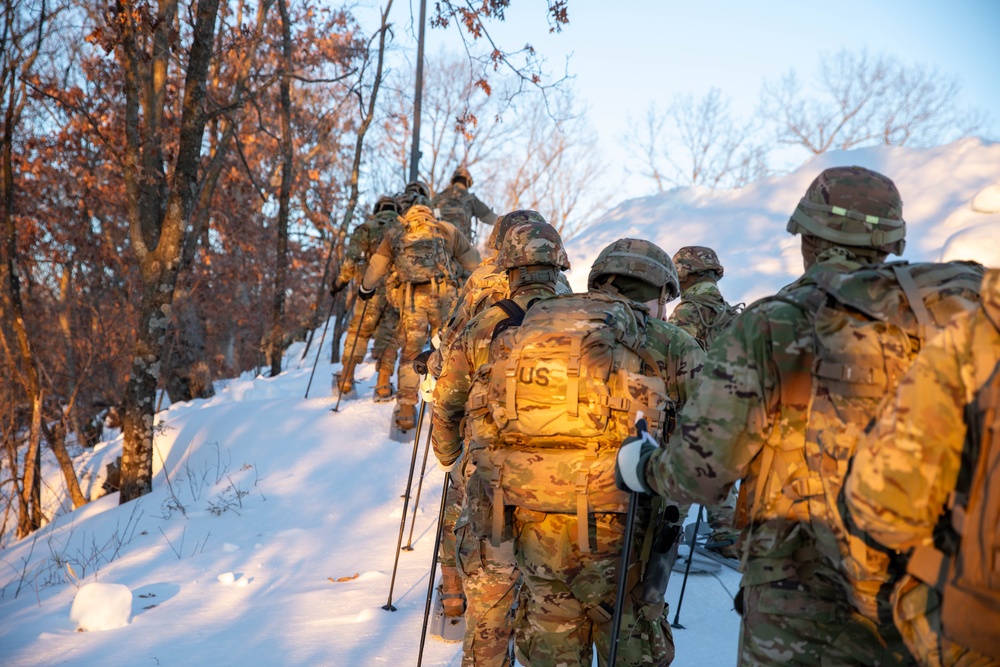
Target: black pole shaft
(420, 485)
(418, 95)
(434, 560)
(402, 520)
(333, 302)
(687, 569)
(616, 618)
(354, 347)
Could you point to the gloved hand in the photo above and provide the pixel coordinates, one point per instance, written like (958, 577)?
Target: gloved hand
(420, 362)
(364, 294)
(336, 288)
(427, 388)
(630, 465)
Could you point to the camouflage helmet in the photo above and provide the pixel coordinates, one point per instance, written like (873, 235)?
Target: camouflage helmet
(694, 259)
(462, 174)
(640, 259)
(530, 240)
(386, 203)
(853, 207)
(418, 188)
(501, 227)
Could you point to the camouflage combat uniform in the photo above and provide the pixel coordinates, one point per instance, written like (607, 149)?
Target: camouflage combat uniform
(489, 572)
(704, 313)
(906, 470)
(380, 317)
(424, 305)
(744, 406)
(749, 420)
(571, 587)
(458, 206)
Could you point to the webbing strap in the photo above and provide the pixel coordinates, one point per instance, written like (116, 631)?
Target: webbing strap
(498, 501)
(582, 503)
(912, 293)
(511, 383)
(573, 378)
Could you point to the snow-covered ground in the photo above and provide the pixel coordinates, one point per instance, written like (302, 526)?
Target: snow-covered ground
(270, 534)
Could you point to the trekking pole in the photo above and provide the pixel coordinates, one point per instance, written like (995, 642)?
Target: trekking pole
(434, 560)
(333, 302)
(402, 520)
(687, 569)
(340, 386)
(616, 617)
(420, 484)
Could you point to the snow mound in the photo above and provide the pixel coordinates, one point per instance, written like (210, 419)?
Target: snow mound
(988, 200)
(99, 607)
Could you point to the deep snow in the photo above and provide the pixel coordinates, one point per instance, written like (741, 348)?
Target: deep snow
(270, 534)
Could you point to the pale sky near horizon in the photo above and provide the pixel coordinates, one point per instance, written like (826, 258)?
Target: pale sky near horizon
(626, 54)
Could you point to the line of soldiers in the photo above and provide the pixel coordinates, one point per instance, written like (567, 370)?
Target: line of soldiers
(551, 409)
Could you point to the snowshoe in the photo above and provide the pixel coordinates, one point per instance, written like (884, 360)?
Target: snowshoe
(700, 564)
(399, 434)
(445, 628)
(708, 552)
(335, 389)
(384, 394)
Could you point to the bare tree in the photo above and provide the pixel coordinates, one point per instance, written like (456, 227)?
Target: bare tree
(863, 99)
(697, 142)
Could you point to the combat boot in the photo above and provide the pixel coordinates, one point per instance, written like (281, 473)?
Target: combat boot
(343, 382)
(384, 391)
(406, 416)
(448, 622)
(452, 597)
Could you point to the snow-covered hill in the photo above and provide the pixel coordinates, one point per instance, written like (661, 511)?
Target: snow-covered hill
(951, 204)
(270, 534)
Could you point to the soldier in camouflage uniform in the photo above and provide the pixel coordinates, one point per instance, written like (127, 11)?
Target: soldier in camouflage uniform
(421, 251)
(704, 314)
(458, 206)
(905, 473)
(570, 579)
(748, 416)
(532, 255)
(415, 192)
(380, 317)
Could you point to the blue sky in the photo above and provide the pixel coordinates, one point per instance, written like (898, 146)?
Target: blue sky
(625, 54)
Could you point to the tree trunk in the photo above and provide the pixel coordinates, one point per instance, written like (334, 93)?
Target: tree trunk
(276, 347)
(186, 368)
(57, 443)
(159, 210)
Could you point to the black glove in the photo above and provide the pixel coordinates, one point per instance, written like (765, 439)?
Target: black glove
(363, 294)
(336, 288)
(420, 362)
(630, 465)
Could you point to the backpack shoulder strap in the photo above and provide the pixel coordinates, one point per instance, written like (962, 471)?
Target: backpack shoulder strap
(515, 315)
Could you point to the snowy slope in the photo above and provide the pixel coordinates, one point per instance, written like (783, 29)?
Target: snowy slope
(319, 500)
(262, 499)
(747, 227)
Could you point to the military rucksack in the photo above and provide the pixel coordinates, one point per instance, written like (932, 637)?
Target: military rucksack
(560, 393)
(453, 208)
(868, 326)
(966, 571)
(713, 318)
(421, 255)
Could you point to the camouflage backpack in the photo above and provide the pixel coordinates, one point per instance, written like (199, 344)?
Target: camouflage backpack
(559, 395)
(868, 327)
(450, 206)
(965, 570)
(713, 318)
(420, 253)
